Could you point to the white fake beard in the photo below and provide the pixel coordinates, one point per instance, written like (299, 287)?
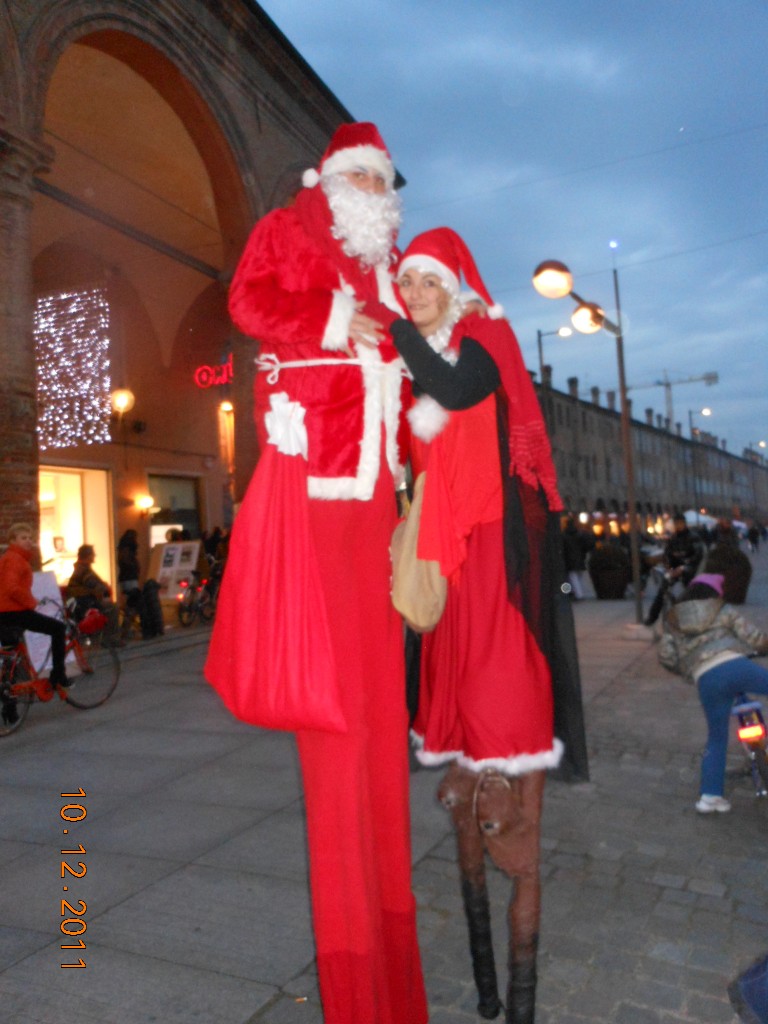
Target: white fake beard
(365, 224)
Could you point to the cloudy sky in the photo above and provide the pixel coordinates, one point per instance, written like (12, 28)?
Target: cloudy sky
(548, 130)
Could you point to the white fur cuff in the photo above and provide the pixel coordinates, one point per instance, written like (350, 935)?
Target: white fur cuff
(336, 335)
(427, 418)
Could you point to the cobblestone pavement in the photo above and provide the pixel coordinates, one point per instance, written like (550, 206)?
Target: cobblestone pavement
(196, 887)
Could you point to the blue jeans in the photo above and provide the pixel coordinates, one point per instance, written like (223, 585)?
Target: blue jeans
(717, 689)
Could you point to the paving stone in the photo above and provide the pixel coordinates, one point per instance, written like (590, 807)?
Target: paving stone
(707, 887)
(668, 881)
(627, 1013)
(710, 1011)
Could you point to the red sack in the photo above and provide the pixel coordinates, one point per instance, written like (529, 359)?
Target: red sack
(270, 657)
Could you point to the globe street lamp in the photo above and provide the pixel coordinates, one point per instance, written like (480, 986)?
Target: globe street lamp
(561, 332)
(695, 432)
(553, 280)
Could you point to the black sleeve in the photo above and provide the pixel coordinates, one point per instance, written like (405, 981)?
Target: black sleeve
(455, 386)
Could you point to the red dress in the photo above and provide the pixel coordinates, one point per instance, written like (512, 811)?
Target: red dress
(486, 690)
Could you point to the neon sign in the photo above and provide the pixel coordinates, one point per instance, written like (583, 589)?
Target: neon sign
(210, 376)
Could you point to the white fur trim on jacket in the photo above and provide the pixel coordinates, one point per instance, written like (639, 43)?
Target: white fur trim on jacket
(360, 156)
(381, 403)
(427, 418)
(336, 334)
(517, 764)
(386, 290)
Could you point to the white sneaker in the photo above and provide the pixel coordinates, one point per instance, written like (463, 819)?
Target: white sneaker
(706, 804)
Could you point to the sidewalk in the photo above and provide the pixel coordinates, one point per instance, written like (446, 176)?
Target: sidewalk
(196, 883)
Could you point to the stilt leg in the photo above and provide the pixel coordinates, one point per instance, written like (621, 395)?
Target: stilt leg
(509, 818)
(457, 793)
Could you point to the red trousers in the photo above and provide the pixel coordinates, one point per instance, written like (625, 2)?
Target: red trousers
(356, 785)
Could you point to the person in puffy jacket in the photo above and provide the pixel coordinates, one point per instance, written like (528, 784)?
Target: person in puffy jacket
(18, 606)
(710, 643)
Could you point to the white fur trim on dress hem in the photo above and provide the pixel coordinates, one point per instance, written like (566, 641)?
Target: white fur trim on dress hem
(517, 764)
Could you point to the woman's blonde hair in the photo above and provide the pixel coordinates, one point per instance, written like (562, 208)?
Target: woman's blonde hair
(16, 529)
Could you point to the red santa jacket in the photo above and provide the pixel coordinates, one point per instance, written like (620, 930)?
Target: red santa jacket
(295, 291)
(16, 580)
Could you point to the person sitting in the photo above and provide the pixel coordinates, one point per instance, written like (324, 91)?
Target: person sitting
(682, 555)
(18, 605)
(710, 643)
(90, 591)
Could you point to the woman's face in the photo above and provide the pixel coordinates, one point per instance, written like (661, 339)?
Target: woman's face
(425, 299)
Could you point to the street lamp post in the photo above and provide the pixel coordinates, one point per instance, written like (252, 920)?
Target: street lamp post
(758, 461)
(554, 280)
(561, 332)
(696, 436)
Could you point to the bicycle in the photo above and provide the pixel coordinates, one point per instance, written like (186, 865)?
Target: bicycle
(198, 595)
(97, 666)
(751, 732)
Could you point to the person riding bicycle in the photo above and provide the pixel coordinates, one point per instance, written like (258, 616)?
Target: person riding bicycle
(18, 604)
(90, 591)
(710, 643)
(682, 554)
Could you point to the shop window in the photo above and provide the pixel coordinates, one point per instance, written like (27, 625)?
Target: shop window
(75, 509)
(177, 504)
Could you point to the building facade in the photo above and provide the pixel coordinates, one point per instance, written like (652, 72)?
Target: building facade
(673, 473)
(139, 142)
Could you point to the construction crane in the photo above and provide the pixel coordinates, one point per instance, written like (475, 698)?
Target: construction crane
(708, 378)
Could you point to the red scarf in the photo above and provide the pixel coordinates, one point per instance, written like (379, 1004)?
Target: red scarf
(530, 454)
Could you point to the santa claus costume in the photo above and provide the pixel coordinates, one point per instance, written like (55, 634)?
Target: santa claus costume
(314, 608)
(490, 518)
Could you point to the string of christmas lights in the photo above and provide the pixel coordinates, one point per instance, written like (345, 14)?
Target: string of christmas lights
(73, 368)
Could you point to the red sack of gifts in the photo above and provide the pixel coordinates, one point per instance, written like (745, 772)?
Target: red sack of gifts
(270, 657)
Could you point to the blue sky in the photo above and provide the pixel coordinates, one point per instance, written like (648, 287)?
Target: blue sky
(547, 130)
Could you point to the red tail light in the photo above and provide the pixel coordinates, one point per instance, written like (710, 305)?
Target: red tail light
(753, 731)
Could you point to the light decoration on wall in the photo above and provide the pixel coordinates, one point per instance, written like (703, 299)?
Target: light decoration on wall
(73, 368)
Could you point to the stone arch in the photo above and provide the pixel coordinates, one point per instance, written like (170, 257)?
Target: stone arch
(141, 36)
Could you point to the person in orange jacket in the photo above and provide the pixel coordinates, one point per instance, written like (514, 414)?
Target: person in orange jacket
(18, 604)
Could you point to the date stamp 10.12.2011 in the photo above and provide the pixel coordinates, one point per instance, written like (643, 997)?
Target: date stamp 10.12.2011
(73, 924)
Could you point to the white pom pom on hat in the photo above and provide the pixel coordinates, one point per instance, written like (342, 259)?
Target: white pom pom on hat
(443, 252)
(352, 146)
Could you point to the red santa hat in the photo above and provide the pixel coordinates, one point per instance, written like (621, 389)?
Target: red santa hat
(441, 251)
(353, 146)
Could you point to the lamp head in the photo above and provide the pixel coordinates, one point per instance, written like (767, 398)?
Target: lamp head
(552, 279)
(588, 318)
(123, 400)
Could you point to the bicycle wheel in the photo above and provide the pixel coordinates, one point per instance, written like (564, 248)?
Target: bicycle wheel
(206, 605)
(188, 607)
(99, 673)
(761, 763)
(13, 707)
